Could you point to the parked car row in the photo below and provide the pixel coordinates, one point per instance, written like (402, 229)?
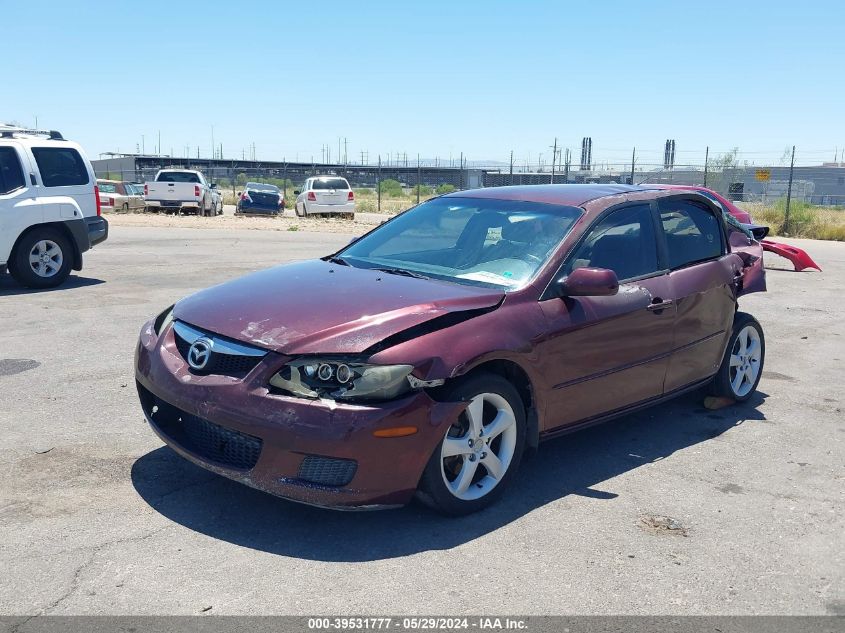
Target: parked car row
(188, 191)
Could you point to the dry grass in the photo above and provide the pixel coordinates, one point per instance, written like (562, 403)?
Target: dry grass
(366, 201)
(805, 220)
(228, 222)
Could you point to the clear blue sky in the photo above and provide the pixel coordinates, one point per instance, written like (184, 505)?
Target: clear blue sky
(432, 77)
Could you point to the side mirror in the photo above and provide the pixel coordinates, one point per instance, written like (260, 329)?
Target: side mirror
(589, 282)
(296, 192)
(214, 186)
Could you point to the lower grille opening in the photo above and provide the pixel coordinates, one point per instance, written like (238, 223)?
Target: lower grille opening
(212, 442)
(327, 471)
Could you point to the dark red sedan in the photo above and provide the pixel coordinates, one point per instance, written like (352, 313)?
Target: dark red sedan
(426, 356)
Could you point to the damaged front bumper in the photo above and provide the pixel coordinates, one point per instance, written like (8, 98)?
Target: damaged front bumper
(319, 452)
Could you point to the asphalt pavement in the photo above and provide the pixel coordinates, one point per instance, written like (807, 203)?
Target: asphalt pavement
(675, 510)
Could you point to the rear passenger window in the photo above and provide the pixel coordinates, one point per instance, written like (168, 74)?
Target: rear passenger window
(11, 174)
(693, 233)
(60, 166)
(623, 242)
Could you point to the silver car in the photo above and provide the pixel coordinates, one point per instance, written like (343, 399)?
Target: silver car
(116, 195)
(325, 195)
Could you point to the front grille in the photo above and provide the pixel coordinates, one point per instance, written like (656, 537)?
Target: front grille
(327, 471)
(212, 442)
(224, 364)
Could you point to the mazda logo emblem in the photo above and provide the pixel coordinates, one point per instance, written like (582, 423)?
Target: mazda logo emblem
(199, 353)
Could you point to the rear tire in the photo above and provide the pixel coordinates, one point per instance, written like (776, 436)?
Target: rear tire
(299, 213)
(42, 259)
(480, 451)
(742, 364)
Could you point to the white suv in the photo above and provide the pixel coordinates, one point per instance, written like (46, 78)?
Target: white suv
(325, 194)
(49, 207)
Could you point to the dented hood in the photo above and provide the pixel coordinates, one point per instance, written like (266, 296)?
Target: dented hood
(315, 307)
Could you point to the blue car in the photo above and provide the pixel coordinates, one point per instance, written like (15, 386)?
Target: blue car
(260, 198)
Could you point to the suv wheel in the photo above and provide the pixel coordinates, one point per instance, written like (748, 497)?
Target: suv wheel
(42, 259)
(480, 451)
(742, 364)
(301, 214)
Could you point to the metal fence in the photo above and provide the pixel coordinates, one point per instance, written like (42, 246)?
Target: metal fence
(743, 176)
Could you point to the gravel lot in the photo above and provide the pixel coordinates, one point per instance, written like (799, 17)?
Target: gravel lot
(677, 510)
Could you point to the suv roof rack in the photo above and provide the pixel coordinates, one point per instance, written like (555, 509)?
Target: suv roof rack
(9, 131)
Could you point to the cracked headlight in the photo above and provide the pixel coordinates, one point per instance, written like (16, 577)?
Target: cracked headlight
(163, 320)
(342, 380)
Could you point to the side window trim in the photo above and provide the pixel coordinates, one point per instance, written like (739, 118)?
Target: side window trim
(82, 169)
(12, 150)
(548, 292)
(663, 244)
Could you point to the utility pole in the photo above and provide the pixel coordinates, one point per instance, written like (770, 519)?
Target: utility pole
(284, 178)
(143, 149)
(566, 166)
(345, 151)
(462, 171)
(378, 183)
(510, 179)
(706, 159)
(789, 193)
(212, 141)
(633, 162)
(418, 179)
(159, 143)
(554, 156)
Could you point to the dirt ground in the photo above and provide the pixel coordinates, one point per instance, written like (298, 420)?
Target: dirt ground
(228, 221)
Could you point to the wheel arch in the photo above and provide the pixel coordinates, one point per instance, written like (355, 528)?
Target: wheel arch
(514, 373)
(62, 228)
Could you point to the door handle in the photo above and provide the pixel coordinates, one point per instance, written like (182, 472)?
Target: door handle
(657, 304)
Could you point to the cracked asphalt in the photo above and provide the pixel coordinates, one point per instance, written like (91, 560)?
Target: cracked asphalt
(675, 510)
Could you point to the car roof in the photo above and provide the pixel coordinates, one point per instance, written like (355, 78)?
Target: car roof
(571, 195)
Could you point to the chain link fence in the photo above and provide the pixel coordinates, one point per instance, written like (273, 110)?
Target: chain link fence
(750, 177)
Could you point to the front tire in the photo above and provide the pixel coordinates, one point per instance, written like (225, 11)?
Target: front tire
(742, 364)
(480, 451)
(42, 259)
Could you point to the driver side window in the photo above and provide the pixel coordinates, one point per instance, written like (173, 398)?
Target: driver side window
(622, 241)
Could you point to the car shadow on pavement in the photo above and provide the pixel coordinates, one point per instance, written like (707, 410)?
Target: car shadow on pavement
(571, 465)
(9, 287)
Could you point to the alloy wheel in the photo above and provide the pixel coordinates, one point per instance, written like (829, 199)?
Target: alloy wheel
(478, 449)
(46, 258)
(746, 355)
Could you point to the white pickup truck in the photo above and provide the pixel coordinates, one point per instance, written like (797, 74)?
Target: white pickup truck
(180, 190)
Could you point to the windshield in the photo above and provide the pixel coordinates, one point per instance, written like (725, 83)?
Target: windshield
(257, 186)
(177, 176)
(474, 241)
(107, 187)
(330, 183)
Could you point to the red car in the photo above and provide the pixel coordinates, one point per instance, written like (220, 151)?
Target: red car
(799, 258)
(426, 356)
